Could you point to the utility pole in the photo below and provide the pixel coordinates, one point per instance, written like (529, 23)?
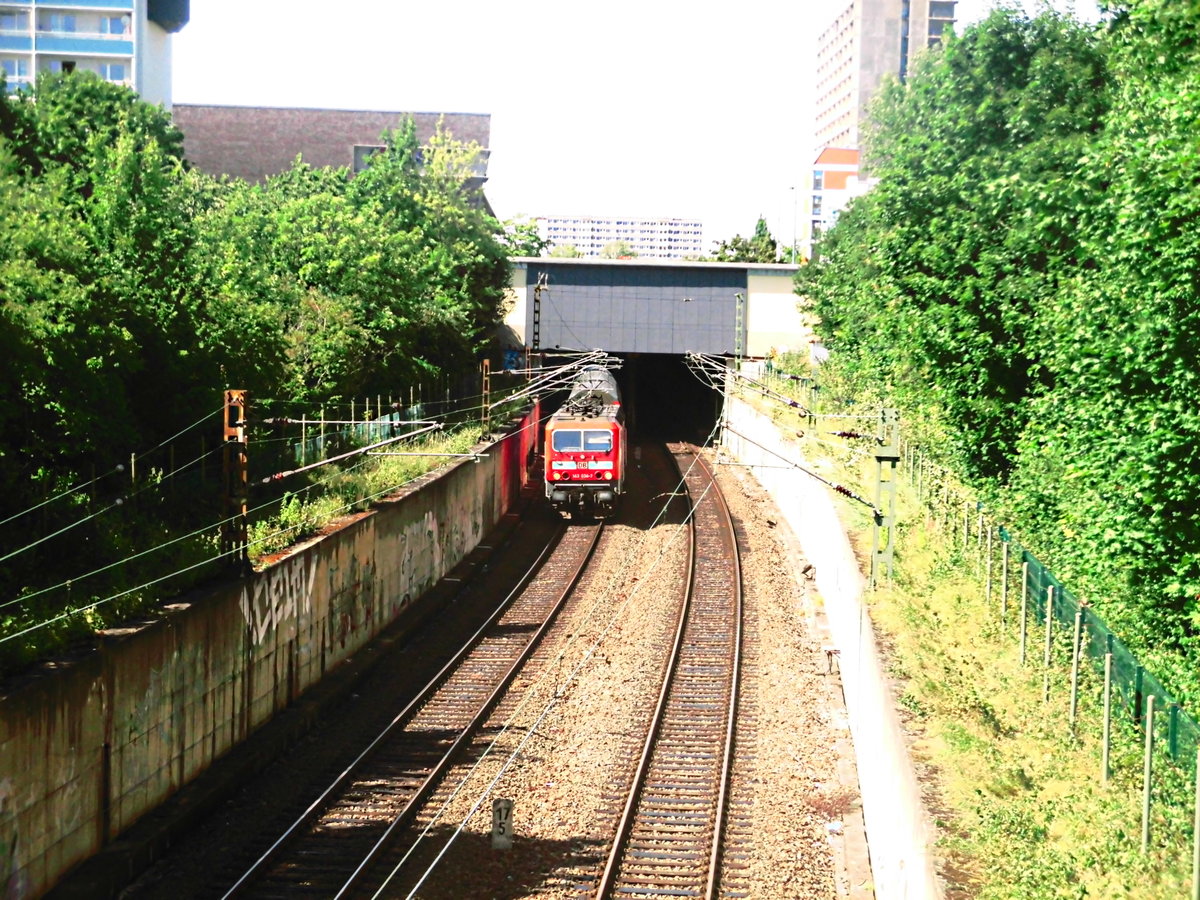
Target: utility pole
(795, 198)
(236, 474)
(887, 454)
(536, 343)
(487, 395)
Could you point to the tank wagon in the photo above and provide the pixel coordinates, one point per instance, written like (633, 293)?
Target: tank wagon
(585, 447)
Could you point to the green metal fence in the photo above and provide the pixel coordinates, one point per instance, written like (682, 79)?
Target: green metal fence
(1175, 731)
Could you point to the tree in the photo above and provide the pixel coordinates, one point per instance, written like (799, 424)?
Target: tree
(939, 281)
(762, 248)
(522, 238)
(565, 251)
(617, 250)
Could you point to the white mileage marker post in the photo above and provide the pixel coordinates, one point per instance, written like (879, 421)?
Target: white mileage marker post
(502, 824)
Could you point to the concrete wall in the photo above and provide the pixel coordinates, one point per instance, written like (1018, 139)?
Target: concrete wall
(898, 831)
(773, 321)
(89, 746)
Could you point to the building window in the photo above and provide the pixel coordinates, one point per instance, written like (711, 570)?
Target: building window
(939, 9)
(363, 154)
(818, 180)
(14, 21)
(59, 22)
(113, 72)
(114, 24)
(816, 204)
(61, 65)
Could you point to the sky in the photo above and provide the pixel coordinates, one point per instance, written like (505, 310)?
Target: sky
(651, 109)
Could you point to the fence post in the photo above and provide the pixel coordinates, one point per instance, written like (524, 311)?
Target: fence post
(979, 538)
(1105, 769)
(1075, 666)
(1049, 643)
(1173, 730)
(966, 532)
(1196, 836)
(1148, 774)
(988, 593)
(1004, 584)
(1024, 606)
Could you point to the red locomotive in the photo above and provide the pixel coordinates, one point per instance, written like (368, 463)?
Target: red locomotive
(585, 447)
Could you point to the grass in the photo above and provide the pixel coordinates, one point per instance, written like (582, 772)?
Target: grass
(1015, 790)
(1021, 809)
(352, 487)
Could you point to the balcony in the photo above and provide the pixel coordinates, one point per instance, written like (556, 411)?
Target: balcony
(125, 5)
(82, 42)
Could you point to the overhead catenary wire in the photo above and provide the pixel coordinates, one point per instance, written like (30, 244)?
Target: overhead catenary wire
(838, 488)
(208, 528)
(217, 448)
(120, 501)
(212, 559)
(115, 470)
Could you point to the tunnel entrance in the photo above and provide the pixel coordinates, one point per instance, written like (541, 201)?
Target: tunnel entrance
(664, 400)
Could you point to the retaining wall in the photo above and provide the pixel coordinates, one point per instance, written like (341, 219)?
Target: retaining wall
(90, 746)
(898, 831)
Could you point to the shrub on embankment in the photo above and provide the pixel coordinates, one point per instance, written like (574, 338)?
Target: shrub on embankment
(134, 290)
(1023, 282)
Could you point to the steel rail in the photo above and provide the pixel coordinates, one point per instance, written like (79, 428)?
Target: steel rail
(405, 817)
(678, 790)
(427, 693)
(613, 866)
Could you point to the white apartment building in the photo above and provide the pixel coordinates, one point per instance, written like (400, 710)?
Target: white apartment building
(867, 41)
(123, 41)
(649, 238)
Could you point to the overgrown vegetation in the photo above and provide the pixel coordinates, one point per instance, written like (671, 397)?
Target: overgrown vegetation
(351, 488)
(1015, 791)
(133, 290)
(1022, 283)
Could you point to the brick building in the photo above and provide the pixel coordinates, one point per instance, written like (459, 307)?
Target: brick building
(252, 142)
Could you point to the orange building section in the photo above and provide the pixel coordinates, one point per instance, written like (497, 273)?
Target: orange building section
(837, 156)
(837, 179)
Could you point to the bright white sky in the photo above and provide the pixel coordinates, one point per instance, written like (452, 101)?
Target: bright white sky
(659, 108)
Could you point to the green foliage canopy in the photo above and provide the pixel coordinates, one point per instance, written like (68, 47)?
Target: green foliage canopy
(1023, 281)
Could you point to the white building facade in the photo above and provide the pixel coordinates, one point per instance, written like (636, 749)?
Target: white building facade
(649, 238)
(123, 41)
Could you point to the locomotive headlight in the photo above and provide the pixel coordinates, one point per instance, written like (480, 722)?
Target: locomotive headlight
(555, 476)
(608, 475)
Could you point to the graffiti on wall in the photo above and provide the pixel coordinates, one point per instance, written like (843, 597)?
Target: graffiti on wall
(12, 881)
(420, 554)
(279, 597)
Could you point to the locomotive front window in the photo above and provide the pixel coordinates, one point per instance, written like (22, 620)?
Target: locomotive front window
(568, 441)
(597, 441)
(589, 441)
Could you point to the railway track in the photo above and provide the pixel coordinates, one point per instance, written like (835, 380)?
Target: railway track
(330, 849)
(669, 838)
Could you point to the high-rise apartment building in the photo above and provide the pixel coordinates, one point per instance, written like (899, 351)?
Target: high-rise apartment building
(868, 41)
(653, 238)
(124, 41)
